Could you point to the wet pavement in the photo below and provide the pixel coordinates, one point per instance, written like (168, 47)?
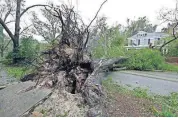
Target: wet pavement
(162, 83)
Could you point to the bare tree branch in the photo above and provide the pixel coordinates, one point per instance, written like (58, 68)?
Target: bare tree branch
(7, 14)
(97, 13)
(37, 5)
(170, 16)
(85, 44)
(167, 43)
(174, 30)
(7, 45)
(174, 35)
(9, 22)
(59, 13)
(26, 29)
(7, 29)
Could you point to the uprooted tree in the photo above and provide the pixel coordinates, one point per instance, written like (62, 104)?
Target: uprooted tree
(69, 66)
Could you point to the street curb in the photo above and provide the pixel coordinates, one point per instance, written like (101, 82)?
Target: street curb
(151, 76)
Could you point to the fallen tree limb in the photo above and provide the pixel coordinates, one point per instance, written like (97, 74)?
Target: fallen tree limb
(2, 87)
(92, 89)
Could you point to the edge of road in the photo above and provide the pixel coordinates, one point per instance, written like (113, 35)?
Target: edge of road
(151, 76)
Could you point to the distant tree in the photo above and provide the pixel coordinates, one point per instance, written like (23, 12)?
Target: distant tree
(29, 48)
(18, 10)
(170, 16)
(168, 29)
(107, 41)
(1, 41)
(141, 24)
(7, 9)
(97, 31)
(48, 28)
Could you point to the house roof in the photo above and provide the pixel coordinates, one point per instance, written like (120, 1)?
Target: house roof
(149, 35)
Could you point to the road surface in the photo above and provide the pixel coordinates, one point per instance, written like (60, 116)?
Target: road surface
(162, 83)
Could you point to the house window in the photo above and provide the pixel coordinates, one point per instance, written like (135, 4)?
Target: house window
(139, 42)
(131, 42)
(148, 41)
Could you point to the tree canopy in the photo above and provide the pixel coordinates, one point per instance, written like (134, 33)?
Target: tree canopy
(140, 24)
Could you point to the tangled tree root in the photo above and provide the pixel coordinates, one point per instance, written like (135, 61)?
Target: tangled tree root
(69, 67)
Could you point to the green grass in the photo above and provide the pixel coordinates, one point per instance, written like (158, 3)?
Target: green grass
(113, 87)
(140, 92)
(168, 105)
(170, 67)
(18, 71)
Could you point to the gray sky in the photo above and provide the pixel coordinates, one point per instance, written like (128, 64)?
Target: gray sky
(116, 10)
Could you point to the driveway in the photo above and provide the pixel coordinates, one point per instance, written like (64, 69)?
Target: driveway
(162, 83)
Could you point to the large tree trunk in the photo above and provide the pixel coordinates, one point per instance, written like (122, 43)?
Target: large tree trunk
(17, 33)
(16, 51)
(2, 49)
(2, 53)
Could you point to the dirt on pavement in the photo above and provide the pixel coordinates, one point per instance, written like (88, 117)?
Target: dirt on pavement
(120, 105)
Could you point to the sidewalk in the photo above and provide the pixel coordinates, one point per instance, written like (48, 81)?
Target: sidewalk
(14, 102)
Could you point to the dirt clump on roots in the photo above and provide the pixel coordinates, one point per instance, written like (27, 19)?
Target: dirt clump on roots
(61, 104)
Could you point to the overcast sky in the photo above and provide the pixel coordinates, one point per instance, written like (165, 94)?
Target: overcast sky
(116, 10)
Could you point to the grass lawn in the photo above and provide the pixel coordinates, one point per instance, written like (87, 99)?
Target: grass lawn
(171, 67)
(137, 102)
(18, 71)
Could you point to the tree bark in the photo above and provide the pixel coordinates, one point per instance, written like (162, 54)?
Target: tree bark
(15, 50)
(2, 53)
(92, 89)
(167, 43)
(7, 29)
(17, 33)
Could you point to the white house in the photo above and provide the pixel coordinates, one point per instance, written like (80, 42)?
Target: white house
(143, 39)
